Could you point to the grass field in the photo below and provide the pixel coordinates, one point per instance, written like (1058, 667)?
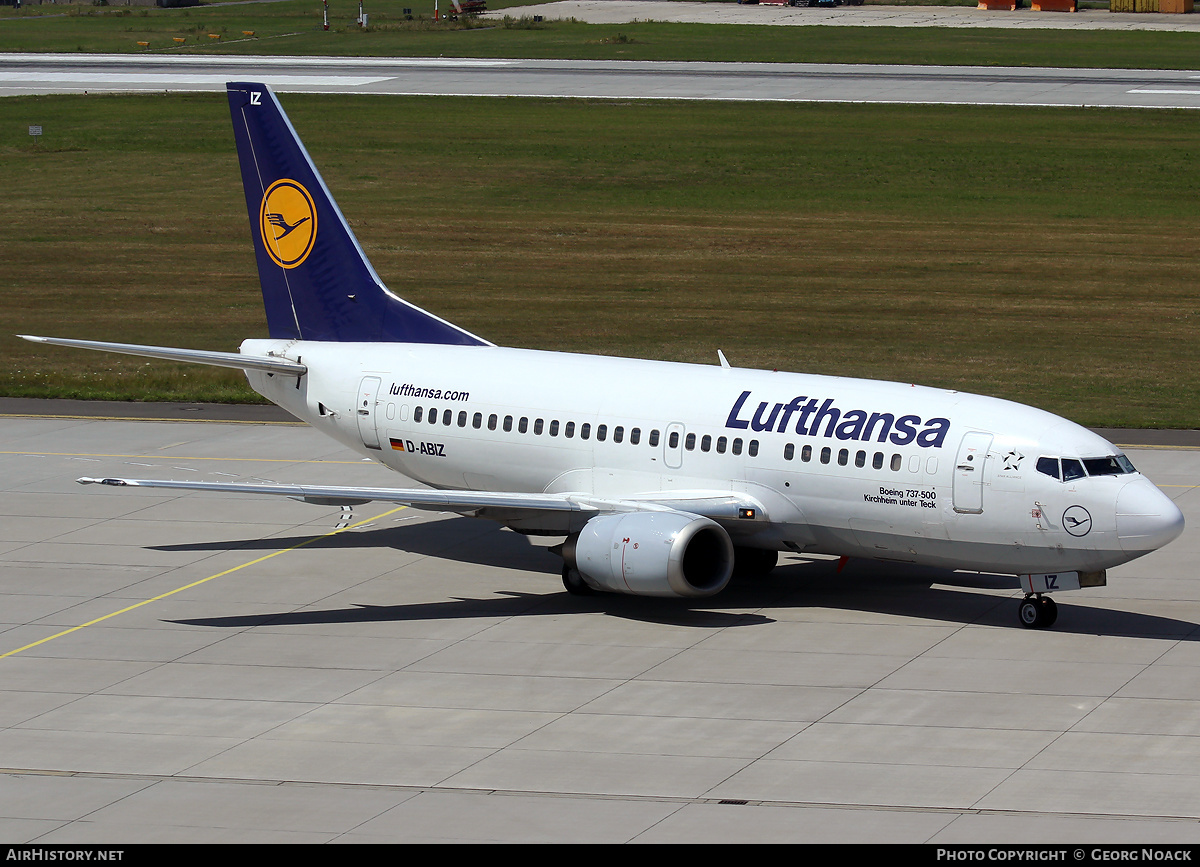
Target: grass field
(1042, 255)
(295, 28)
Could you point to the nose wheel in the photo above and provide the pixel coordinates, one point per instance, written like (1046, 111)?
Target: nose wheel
(1037, 611)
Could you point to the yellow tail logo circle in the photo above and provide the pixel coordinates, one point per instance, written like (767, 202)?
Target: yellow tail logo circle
(287, 222)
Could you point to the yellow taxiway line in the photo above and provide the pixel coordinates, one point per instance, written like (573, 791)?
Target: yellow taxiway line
(201, 581)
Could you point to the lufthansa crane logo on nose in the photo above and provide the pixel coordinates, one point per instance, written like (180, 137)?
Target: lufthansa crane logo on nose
(287, 222)
(1077, 521)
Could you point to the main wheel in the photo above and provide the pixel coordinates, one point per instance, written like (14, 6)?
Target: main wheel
(574, 582)
(753, 562)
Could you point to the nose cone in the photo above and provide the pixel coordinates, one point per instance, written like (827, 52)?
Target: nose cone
(1147, 519)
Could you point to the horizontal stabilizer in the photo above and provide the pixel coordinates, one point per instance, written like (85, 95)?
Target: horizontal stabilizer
(192, 356)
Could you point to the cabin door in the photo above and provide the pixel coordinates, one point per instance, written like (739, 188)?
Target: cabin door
(968, 472)
(368, 394)
(673, 446)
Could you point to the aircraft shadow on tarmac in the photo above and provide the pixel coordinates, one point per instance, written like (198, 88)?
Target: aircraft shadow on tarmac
(889, 589)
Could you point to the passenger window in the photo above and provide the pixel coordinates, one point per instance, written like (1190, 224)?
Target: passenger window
(722, 444)
(753, 450)
(507, 423)
(635, 436)
(570, 429)
(673, 440)
(706, 443)
(618, 434)
(860, 458)
(523, 425)
(448, 417)
(843, 457)
(825, 454)
(433, 415)
(554, 428)
(653, 438)
(538, 426)
(585, 431)
(462, 419)
(877, 461)
(417, 413)
(897, 462)
(601, 432)
(476, 421)
(789, 452)
(492, 419)
(737, 445)
(690, 442)
(806, 454)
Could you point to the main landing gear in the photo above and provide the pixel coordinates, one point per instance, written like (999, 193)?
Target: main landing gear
(1037, 611)
(574, 582)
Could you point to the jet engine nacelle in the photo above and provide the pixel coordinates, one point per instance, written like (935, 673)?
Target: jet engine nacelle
(653, 554)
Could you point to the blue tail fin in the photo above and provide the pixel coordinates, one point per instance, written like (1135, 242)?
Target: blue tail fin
(316, 281)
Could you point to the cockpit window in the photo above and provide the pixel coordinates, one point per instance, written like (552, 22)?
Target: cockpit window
(1112, 465)
(1075, 468)
(1072, 469)
(1049, 466)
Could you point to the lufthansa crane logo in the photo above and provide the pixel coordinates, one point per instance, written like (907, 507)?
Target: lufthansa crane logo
(1077, 520)
(287, 222)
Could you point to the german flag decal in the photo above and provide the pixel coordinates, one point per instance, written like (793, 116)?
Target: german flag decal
(397, 444)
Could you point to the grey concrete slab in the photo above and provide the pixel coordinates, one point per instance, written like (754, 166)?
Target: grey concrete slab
(428, 679)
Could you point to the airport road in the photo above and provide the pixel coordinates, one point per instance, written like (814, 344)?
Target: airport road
(783, 82)
(201, 668)
(773, 15)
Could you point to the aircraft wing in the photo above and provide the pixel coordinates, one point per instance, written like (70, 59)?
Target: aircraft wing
(515, 509)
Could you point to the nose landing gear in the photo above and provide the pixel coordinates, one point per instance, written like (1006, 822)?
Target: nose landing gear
(1037, 611)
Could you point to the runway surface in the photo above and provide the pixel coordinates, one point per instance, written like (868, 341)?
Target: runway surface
(25, 74)
(795, 82)
(201, 668)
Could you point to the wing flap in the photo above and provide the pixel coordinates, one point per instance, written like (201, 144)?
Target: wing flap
(721, 505)
(454, 501)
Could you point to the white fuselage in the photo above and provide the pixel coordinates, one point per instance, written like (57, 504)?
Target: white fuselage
(839, 466)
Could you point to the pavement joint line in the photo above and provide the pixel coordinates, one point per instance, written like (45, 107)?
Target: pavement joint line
(230, 571)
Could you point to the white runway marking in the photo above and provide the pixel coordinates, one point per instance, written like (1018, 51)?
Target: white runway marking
(171, 79)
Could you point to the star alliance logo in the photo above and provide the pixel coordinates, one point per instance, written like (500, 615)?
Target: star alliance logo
(287, 222)
(1012, 460)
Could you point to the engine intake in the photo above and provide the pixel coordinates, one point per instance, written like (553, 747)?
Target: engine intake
(653, 554)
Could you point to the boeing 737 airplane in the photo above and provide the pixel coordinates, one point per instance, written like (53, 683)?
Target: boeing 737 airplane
(661, 477)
